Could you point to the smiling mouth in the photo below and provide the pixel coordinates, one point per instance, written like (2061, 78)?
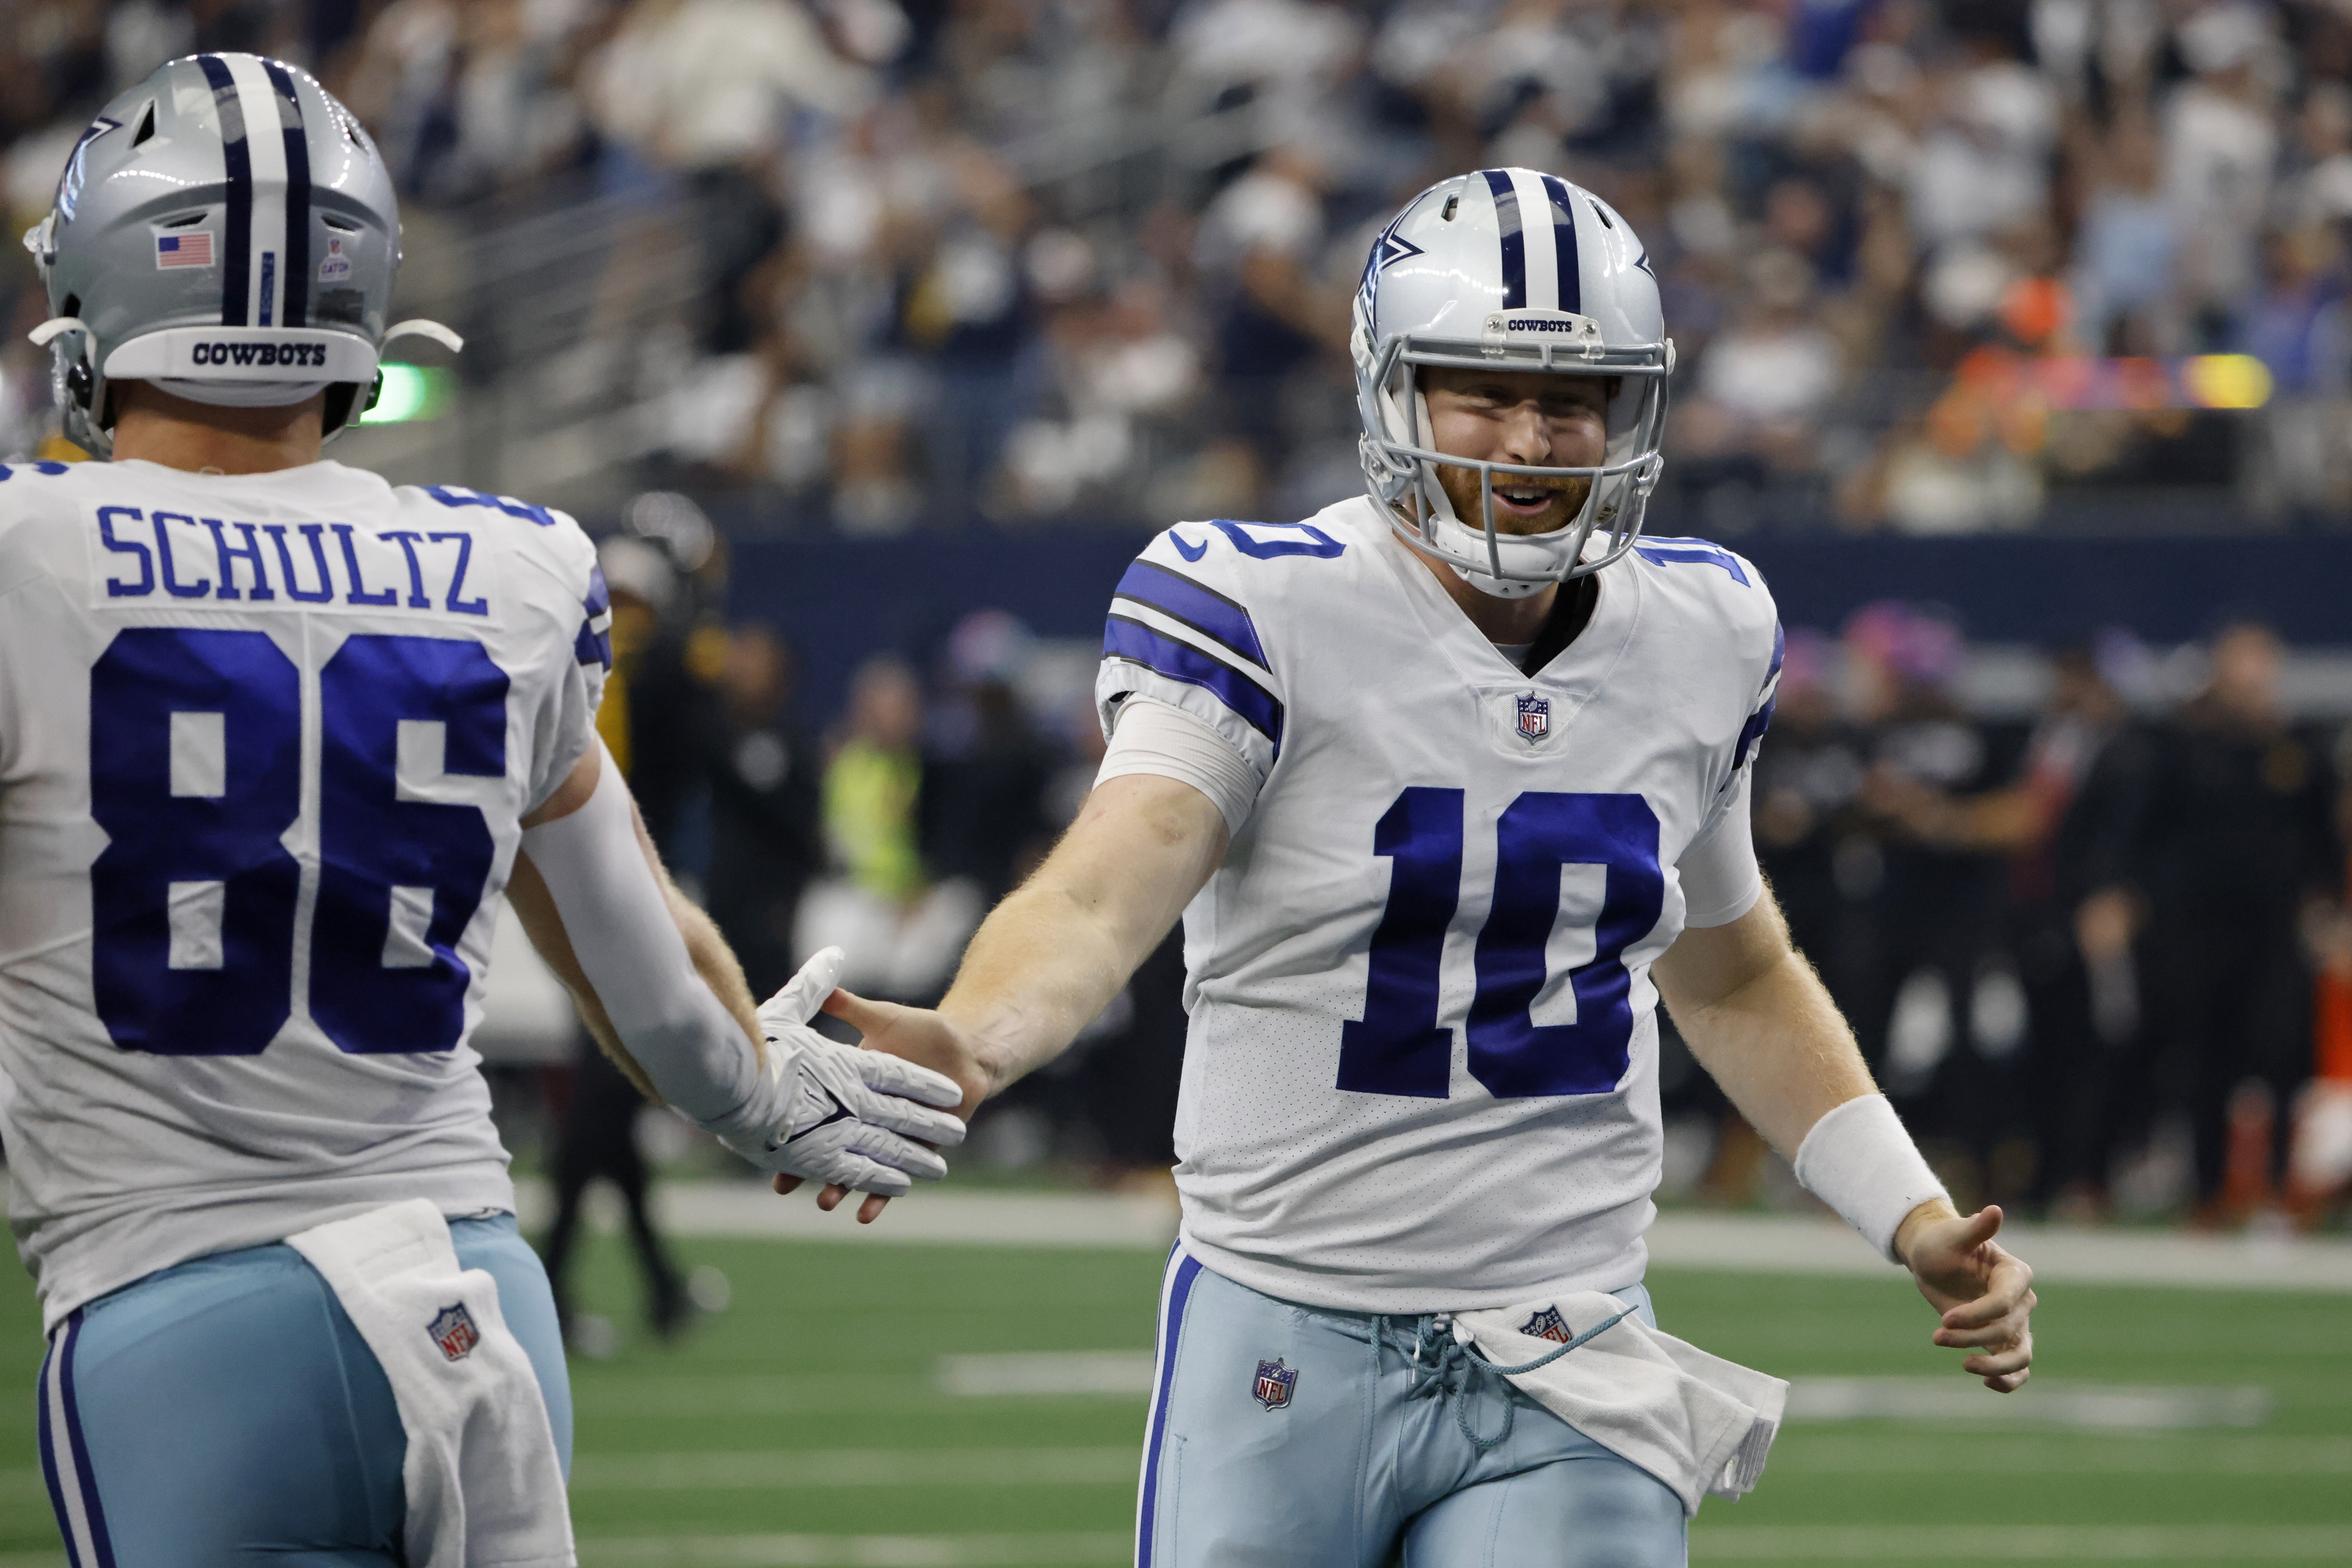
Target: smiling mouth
(1526, 499)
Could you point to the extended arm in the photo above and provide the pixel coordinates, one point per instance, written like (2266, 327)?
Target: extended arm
(702, 1042)
(662, 993)
(1057, 951)
(1759, 1019)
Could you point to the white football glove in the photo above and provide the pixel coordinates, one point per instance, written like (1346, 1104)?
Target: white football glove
(832, 1112)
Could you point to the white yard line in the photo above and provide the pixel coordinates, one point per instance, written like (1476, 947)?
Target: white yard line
(1119, 1371)
(1770, 1243)
(2201, 1543)
(2086, 1406)
(1814, 1452)
(1114, 1464)
(1039, 1550)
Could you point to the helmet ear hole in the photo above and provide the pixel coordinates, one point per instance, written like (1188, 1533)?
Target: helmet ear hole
(79, 385)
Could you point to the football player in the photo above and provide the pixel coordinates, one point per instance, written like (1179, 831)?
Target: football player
(274, 738)
(1449, 783)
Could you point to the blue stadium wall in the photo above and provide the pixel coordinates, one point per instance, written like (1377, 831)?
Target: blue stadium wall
(840, 599)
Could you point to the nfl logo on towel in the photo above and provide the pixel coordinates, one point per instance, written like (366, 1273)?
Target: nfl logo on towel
(453, 1330)
(1274, 1383)
(1547, 1324)
(1535, 716)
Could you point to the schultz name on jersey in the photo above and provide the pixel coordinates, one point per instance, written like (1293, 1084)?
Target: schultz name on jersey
(264, 744)
(1422, 1070)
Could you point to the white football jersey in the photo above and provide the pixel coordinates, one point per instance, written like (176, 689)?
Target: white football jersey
(1421, 1069)
(265, 741)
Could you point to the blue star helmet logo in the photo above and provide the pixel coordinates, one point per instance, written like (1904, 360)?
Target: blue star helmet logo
(1386, 251)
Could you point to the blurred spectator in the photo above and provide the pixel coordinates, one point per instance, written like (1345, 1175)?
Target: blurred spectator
(764, 827)
(2298, 329)
(2123, 250)
(2221, 145)
(1763, 382)
(902, 932)
(596, 1138)
(2070, 1080)
(1937, 1004)
(2223, 851)
(831, 265)
(653, 707)
(985, 782)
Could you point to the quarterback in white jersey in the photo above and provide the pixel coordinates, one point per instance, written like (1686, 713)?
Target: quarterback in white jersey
(276, 738)
(1450, 784)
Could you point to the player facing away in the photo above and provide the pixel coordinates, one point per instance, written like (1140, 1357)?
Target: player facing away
(274, 739)
(1450, 784)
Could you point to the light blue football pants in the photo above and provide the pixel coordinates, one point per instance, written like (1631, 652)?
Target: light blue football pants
(1361, 1461)
(227, 1411)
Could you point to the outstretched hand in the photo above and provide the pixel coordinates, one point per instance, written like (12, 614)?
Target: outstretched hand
(1984, 1291)
(919, 1035)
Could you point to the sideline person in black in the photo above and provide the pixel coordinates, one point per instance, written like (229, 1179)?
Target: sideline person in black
(2222, 842)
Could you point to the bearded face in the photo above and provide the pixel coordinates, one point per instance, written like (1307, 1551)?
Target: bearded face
(1534, 418)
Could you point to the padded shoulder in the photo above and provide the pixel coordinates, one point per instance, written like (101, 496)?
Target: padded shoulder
(1717, 598)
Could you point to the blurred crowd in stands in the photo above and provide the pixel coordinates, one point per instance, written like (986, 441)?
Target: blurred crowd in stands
(2099, 953)
(1932, 265)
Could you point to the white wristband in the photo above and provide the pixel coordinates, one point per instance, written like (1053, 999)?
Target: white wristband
(1860, 1161)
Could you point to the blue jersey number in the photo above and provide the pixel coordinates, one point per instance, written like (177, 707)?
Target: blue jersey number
(196, 770)
(1400, 1048)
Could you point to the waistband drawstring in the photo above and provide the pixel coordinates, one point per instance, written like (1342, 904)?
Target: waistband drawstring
(1443, 1365)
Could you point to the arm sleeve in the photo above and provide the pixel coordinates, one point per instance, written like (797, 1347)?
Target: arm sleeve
(666, 1015)
(1721, 881)
(1150, 737)
(569, 724)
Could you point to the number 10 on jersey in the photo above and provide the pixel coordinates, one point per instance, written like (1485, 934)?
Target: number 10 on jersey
(1399, 1047)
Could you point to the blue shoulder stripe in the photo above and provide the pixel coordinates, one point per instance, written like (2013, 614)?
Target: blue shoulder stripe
(1195, 604)
(1751, 734)
(1124, 638)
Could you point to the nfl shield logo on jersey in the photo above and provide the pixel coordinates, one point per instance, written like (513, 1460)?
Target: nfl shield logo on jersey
(1547, 1324)
(1274, 1383)
(1535, 716)
(453, 1330)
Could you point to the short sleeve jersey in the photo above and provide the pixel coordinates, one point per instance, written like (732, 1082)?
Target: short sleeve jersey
(264, 744)
(1422, 1067)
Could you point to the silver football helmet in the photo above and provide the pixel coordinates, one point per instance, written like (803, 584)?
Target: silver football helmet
(226, 230)
(1509, 269)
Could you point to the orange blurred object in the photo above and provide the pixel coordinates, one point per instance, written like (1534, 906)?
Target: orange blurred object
(2036, 310)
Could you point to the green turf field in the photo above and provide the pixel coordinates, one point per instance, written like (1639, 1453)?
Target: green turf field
(804, 1426)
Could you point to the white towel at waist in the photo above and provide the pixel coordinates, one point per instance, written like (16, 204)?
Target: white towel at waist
(485, 1487)
(1700, 1424)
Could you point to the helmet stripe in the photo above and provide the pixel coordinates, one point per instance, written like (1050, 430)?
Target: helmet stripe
(1515, 243)
(1563, 239)
(297, 276)
(265, 150)
(237, 243)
